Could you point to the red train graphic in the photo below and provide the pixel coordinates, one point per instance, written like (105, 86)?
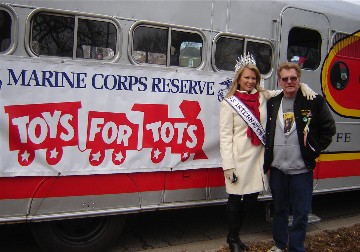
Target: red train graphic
(49, 126)
(184, 136)
(110, 131)
(340, 76)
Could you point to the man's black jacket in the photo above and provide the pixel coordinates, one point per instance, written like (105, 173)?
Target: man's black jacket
(322, 127)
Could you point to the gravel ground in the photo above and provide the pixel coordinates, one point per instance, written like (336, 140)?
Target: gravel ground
(344, 239)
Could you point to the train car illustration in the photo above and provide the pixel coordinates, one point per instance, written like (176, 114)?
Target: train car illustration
(110, 131)
(183, 136)
(50, 126)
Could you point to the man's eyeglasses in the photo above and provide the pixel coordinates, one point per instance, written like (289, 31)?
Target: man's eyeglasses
(286, 79)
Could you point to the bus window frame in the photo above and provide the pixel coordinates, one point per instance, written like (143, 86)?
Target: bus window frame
(14, 33)
(185, 31)
(169, 28)
(246, 39)
(271, 61)
(76, 15)
(99, 20)
(214, 48)
(131, 45)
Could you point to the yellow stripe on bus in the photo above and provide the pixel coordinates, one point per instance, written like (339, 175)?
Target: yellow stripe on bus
(339, 156)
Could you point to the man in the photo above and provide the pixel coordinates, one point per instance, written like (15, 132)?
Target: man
(297, 130)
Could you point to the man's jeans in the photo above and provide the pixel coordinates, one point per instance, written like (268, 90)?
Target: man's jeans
(295, 191)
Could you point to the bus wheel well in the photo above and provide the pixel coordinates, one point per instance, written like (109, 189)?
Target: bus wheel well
(78, 235)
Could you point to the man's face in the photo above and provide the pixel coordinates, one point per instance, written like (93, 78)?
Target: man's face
(289, 81)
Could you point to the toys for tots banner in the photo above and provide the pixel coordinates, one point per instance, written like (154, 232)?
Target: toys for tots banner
(70, 119)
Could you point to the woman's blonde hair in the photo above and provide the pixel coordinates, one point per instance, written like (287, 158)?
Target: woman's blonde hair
(235, 82)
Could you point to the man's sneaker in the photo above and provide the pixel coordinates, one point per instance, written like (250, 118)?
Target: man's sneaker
(275, 249)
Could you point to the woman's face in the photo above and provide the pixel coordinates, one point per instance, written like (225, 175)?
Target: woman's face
(247, 80)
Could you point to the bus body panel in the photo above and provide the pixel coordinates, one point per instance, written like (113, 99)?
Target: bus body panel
(37, 198)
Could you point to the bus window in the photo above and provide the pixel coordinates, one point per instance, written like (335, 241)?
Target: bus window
(337, 36)
(96, 40)
(5, 30)
(54, 35)
(304, 47)
(227, 51)
(151, 46)
(262, 53)
(186, 49)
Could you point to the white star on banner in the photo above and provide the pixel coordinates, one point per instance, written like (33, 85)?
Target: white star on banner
(53, 153)
(96, 156)
(25, 156)
(157, 153)
(119, 156)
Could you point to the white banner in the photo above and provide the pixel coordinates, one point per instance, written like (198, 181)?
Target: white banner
(68, 118)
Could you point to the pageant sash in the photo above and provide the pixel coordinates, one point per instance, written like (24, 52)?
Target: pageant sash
(247, 116)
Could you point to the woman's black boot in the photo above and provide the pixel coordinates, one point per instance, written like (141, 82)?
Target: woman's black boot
(234, 244)
(232, 217)
(243, 246)
(235, 217)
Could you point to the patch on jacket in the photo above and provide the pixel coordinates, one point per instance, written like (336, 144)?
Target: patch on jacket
(306, 114)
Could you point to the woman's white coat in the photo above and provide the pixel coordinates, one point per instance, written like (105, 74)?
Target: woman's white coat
(238, 152)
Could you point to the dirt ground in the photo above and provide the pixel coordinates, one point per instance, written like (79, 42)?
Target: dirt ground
(344, 239)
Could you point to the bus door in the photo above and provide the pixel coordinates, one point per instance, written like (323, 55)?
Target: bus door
(304, 37)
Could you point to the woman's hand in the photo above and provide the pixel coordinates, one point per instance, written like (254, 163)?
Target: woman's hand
(307, 91)
(230, 174)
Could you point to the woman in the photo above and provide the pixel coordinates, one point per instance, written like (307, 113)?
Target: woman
(241, 145)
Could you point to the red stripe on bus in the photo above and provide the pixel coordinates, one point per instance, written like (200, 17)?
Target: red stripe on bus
(338, 169)
(40, 187)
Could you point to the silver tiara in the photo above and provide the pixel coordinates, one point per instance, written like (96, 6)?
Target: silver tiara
(243, 61)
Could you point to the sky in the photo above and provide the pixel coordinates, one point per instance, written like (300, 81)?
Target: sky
(353, 1)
